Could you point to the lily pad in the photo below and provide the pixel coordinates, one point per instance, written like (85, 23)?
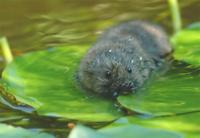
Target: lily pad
(175, 92)
(187, 44)
(187, 124)
(183, 126)
(123, 131)
(7, 131)
(46, 80)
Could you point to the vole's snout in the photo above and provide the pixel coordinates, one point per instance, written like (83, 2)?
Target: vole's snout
(126, 87)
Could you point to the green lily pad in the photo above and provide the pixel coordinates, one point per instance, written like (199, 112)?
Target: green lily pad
(175, 92)
(187, 124)
(46, 80)
(123, 131)
(183, 126)
(187, 44)
(7, 131)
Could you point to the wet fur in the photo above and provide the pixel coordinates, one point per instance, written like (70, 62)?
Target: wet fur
(124, 58)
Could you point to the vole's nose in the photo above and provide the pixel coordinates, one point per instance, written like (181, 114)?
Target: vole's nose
(127, 87)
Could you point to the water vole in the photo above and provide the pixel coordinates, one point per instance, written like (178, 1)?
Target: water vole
(124, 58)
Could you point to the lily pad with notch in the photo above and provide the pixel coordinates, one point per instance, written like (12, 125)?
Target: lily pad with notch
(46, 81)
(175, 92)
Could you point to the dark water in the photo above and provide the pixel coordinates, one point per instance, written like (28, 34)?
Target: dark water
(35, 24)
(32, 25)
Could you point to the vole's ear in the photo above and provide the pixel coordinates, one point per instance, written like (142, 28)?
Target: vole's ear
(151, 64)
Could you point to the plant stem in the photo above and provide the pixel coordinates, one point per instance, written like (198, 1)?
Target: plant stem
(6, 50)
(176, 18)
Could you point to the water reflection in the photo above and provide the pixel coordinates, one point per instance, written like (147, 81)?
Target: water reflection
(32, 25)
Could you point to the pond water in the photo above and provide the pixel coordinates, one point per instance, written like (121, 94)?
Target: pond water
(33, 25)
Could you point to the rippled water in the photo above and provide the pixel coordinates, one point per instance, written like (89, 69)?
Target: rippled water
(35, 24)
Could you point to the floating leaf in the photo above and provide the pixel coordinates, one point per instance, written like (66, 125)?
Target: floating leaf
(183, 126)
(187, 44)
(187, 124)
(7, 131)
(46, 80)
(177, 91)
(124, 131)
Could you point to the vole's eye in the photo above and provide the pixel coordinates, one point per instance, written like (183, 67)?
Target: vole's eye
(129, 70)
(108, 74)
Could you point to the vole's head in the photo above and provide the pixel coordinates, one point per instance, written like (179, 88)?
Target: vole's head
(113, 72)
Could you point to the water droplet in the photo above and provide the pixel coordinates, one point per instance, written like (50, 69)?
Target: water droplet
(110, 50)
(130, 38)
(132, 61)
(115, 94)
